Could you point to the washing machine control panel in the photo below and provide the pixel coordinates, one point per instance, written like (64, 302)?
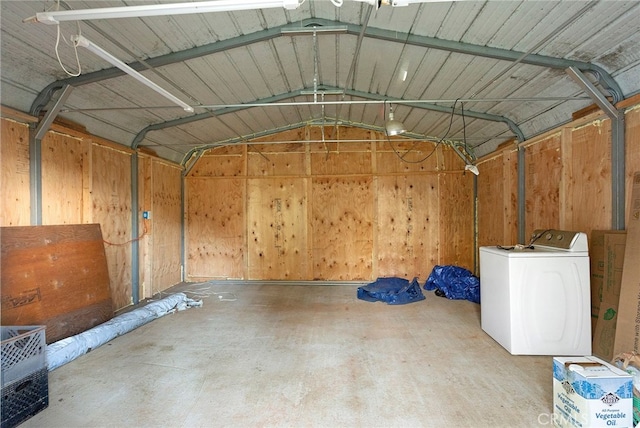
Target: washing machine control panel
(560, 239)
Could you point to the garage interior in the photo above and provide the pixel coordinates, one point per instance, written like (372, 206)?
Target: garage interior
(268, 158)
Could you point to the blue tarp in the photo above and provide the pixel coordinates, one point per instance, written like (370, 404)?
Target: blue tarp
(454, 283)
(393, 291)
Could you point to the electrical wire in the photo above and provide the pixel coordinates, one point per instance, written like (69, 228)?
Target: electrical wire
(59, 35)
(125, 243)
(401, 157)
(464, 129)
(529, 246)
(144, 233)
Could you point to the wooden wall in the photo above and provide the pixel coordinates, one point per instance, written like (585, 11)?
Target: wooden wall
(159, 193)
(568, 179)
(334, 211)
(88, 180)
(14, 186)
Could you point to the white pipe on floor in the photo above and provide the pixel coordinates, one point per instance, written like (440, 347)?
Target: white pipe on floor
(67, 350)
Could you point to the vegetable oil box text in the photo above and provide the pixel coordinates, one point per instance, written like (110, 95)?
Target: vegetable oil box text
(589, 392)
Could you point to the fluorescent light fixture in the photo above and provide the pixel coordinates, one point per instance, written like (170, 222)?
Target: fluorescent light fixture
(398, 3)
(82, 41)
(329, 29)
(55, 17)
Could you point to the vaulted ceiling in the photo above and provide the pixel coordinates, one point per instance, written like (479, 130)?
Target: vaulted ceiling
(477, 73)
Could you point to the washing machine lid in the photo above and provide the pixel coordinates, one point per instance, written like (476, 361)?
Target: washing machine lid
(506, 251)
(546, 243)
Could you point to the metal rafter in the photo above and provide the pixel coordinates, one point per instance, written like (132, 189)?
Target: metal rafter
(281, 97)
(603, 77)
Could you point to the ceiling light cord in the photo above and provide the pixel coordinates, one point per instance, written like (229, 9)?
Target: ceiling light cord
(72, 44)
(440, 140)
(75, 50)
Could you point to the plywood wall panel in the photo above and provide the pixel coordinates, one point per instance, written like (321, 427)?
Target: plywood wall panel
(491, 193)
(632, 134)
(215, 214)
(277, 229)
(342, 221)
(498, 199)
(406, 157)
(111, 191)
(543, 169)
(298, 134)
(62, 162)
(275, 164)
(341, 163)
(14, 183)
(408, 240)
(222, 162)
(166, 217)
(145, 248)
(456, 230)
(590, 188)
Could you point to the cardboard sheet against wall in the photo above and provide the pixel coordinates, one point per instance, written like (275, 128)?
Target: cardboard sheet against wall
(628, 326)
(596, 259)
(55, 276)
(607, 301)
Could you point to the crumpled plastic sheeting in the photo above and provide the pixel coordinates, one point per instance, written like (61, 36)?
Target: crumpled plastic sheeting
(70, 348)
(393, 291)
(455, 283)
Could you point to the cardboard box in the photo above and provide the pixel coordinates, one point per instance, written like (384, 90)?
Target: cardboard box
(627, 337)
(598, 253)
(588, 392)
(596, 264)
(613, 245)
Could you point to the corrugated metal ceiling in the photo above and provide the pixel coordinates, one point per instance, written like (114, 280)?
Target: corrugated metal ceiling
(505, 59)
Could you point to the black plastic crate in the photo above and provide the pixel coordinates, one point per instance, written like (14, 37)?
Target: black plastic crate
(23, 351)
(24, 398)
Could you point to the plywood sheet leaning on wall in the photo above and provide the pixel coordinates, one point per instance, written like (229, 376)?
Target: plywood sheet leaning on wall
(407, 225)
(55, 276)
(14, 184)
(277, 229)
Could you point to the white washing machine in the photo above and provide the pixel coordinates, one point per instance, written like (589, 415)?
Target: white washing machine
(536, 299)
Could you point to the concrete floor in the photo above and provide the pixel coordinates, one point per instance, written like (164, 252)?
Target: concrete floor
(279, 355)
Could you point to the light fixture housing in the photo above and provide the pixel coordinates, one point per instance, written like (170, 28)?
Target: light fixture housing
(393, 126)
(85, 43)
(472, 168)
(55, 17)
